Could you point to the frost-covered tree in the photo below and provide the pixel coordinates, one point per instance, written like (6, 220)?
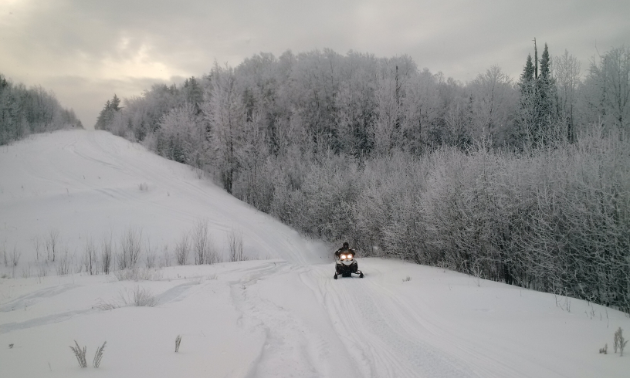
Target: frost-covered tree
(182, 137)
(537, 118)
(422, 112)
(494, 102)
(356, 105)
(566, 71)
(192, 93)
(607, 90)
(106, 116)
(388, 132)
(225, 113)
(34, 110)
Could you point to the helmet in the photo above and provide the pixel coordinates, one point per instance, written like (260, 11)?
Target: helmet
(346, 245)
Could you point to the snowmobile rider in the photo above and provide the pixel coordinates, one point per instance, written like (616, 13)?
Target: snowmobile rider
(344, 249)
(345, 264)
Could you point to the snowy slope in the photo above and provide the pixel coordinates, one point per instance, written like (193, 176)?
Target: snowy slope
(86, 184)
(279, 316)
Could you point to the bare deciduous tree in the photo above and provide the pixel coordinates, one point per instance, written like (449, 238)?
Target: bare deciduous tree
(566, 70)
(608, 89)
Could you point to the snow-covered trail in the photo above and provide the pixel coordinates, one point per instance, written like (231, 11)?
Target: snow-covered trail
(438, 324)
(371, 331)
(273, 318)
(387, 339)
(368, 333)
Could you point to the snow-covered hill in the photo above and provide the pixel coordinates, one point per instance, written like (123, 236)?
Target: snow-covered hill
(91, 184)
(280, 314)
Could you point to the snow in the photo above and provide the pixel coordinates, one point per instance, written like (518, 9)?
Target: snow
(279, 314)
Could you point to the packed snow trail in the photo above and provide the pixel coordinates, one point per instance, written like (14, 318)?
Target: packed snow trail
(315, 326)
(369, 332)
(389, 337)
(371, 325)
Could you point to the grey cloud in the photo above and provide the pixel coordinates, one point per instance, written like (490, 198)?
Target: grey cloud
(87, 96)
(45, 39)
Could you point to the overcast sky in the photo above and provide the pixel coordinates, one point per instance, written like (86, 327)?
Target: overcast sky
(87, 50)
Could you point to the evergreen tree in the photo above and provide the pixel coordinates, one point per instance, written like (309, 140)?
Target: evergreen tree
(103, 117)
(537, 118)
(545, 102)
(535, 60)
(193, 94)
(526, 117)
(3, 83)
(106, 116)
(114, 105)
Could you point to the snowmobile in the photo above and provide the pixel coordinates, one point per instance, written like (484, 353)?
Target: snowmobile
(346, 265)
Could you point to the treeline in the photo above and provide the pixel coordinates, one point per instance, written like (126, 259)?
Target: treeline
(26, 111)
(524, 182)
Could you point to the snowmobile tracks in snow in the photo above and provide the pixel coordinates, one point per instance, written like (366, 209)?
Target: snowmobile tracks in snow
(381, 340)
(369, 332)
(293, 342)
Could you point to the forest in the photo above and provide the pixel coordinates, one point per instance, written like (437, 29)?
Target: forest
(525, 182)
(25, 111)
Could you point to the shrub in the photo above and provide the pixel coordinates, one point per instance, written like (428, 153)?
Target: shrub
(106, 255)
(98, 356)
(64, 264)
(15, 257)
(149, 255)
(202, 244)
(5, 259)
(37, 245)
(140, 297)
(166, 257)
(181, 250)
(235, 243)
(79, 354)
(90, 258)
(106, 306)
(131, 247)
(52, 244)
(137, 274)
(620, 342)
(42, 271)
